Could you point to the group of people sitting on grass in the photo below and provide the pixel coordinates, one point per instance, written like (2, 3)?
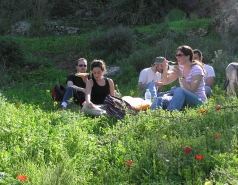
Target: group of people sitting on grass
(196, 81)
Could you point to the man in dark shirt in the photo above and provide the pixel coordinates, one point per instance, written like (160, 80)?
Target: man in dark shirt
(76, 84)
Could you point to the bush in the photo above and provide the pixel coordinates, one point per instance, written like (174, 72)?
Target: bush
(175, 15)
(115, 40)
(12, 53)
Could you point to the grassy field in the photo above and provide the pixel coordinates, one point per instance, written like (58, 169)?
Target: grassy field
(41, 145)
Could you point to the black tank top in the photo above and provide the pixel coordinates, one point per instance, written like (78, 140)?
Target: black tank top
(99, 93)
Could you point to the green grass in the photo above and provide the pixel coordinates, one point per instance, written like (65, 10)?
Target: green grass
(48, 146)
(51, 44)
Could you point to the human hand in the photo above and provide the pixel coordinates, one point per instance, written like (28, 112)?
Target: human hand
(90, 105)
(177, 71)
(165, 64)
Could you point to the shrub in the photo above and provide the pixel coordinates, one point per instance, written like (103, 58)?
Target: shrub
(115, 40)
(12, 53)
(175, 15)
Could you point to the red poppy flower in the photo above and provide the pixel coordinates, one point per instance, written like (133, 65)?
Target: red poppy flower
(202, 111)
(217, 136)
(199, 157)
(22, 178)
(218, 107)
(187, 150)
(129, 163)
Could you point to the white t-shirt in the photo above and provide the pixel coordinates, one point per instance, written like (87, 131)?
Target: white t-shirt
(147, 75)
(209, 71)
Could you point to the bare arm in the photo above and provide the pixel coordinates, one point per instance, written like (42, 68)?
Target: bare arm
(167, 79)
(88, 91)
(112, 88)
(210, 82)
(140, 85)
(80, 89)
(192, 87)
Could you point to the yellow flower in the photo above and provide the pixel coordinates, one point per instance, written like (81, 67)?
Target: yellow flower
(48, 91)
(164, 137)
(55, 103)
(208, 183)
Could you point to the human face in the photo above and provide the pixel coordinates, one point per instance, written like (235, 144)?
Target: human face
(180, 57)
(82, 66)
(98, 73)
(159, 68)
(196, 57)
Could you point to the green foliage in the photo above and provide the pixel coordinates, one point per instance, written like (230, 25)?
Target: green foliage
(114, 40)
(186, 24)
(68, 147)
(12, 54)
(175, 15)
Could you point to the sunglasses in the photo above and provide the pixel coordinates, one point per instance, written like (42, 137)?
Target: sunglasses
(179, 55)
(82, 65)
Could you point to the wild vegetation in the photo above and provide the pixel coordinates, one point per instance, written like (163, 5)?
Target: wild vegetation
(42, 145)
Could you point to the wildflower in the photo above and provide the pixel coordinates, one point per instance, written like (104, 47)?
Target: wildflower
(218, 107)
(55, 103)
(217, 136)
(208, 183)
(22, 177)
(187, 150)
(199, 157)
(202, 111)
(129, 163)
(164, 136)
(48, 91)
(207, 128)
(17, 106)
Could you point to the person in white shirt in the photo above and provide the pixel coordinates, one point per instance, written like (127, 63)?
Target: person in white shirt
(210, 73)
(150, 78)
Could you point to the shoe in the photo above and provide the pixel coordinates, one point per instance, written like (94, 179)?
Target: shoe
(62, 108)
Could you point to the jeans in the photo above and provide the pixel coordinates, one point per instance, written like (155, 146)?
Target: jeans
(180, 99)
(72, 92)
(152, 88)
(208, 91)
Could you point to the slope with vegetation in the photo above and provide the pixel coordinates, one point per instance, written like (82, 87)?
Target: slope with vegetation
(41, 145)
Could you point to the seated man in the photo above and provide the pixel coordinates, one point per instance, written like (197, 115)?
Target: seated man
(76, 84)
(210, 73)
(150, 78)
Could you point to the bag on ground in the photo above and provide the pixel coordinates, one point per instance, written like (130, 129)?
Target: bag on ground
(117, 107)
(58, 92)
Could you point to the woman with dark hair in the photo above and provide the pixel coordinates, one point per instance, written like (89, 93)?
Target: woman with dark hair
(191, 79)
(97, 89)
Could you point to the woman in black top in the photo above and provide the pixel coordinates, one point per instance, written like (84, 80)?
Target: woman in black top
(97, 89)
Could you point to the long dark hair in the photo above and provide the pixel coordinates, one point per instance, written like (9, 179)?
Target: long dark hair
(187, 50)
(98, 63)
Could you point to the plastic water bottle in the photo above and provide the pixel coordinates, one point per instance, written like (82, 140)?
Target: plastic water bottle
(148, 95)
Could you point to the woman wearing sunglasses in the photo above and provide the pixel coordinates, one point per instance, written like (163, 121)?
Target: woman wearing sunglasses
(191, 79)
(76, 85)
(97, 89)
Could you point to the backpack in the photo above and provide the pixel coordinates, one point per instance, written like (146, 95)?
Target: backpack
(117, 107)
(58, 92)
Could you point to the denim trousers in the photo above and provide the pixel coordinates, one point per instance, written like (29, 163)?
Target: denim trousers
(208, 91)
(181, 98)
(152, 88)
(70, 92)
